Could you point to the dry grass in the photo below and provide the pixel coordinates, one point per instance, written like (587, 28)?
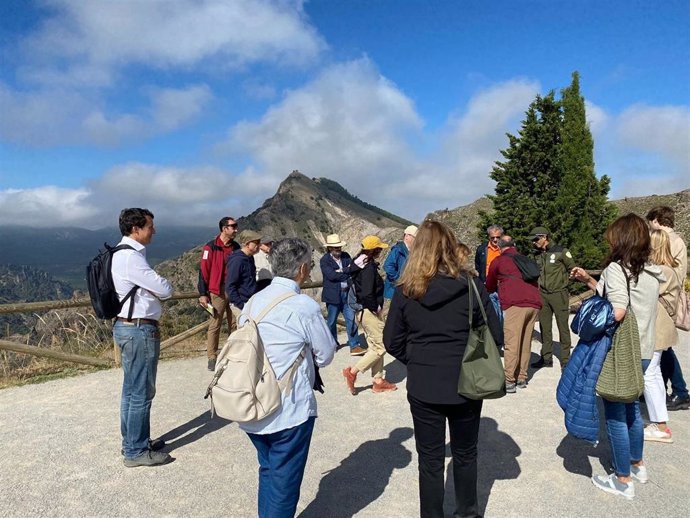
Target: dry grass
(73, 332)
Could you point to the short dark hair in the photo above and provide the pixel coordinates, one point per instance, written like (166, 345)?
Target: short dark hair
(663, 214)
(224, 221)
(505, 242)
(130, 218)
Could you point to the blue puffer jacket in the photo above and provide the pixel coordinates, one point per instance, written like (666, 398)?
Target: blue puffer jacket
(393, 266)
(576, 393)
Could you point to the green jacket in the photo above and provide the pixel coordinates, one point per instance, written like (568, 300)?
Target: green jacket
(555, 264)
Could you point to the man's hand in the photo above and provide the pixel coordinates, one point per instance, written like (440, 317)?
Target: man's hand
(204, 300)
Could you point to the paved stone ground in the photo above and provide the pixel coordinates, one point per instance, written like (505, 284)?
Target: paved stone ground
(60, 454)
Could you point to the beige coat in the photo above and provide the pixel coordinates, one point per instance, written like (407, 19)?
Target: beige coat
(666, 333)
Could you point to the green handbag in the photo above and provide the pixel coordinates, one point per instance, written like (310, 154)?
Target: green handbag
(621, 378)
(481, 371)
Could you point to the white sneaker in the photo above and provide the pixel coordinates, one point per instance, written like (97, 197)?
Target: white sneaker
(611, 484)
(652, 433)
(639, 473)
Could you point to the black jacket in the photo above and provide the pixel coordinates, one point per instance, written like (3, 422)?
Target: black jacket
(480, 260)
(368, 286)
(429, 336)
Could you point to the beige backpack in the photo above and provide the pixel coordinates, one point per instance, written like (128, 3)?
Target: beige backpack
(244, 387)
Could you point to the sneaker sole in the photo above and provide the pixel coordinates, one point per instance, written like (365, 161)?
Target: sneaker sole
(135, 464)
(611, 490)
(667, 440)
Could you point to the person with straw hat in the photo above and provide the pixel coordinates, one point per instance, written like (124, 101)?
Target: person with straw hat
(369, 289)
(335, 268)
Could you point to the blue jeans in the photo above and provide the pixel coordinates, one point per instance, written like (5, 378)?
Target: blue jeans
(626, 434)
(140, 348)
(282, 457)
(670, 370)
(348, 314)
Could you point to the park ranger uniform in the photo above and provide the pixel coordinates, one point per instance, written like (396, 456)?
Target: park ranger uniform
(555, 264)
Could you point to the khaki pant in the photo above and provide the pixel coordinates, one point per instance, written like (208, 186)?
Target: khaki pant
(385, 309)
(555, 304)
(518, 326)
(212, 337)
(373, 358)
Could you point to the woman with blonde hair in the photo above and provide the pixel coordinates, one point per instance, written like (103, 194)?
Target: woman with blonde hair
(666, 336)
(427, 329)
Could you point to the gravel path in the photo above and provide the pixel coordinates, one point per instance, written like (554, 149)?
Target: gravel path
(61, 454)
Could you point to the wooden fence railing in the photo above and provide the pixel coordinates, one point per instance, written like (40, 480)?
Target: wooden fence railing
(30, 307)
(49, 305)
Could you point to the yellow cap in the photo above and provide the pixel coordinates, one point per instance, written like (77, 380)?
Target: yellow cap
(372, 242)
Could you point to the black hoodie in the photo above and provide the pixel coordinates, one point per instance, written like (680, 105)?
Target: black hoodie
(429, 335)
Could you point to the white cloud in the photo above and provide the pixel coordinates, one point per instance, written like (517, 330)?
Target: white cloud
(185, 196)
(350, 124)
(58, 117)
(353, 125)
(46, 206)
(597, 118)
(659, 129)
(643, 149)
(473, 139)
(92, 40)
(80, 53)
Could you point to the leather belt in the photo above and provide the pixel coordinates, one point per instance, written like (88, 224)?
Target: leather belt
(137, 321)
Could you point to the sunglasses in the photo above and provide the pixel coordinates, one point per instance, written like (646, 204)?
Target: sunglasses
(537, 238)
(232, 225)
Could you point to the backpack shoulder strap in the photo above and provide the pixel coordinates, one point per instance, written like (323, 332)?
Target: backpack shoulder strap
(121, 247)
(130, 294)
(273, 304)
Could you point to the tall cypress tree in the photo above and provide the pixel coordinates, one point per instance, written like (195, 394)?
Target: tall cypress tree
(583, 211)
(548, 179)
(528, 180)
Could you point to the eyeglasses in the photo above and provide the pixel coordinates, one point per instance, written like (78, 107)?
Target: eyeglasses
(536, 238)
(494, 238)
(232, 225)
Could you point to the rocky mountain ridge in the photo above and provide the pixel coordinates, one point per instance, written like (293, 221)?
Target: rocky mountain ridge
(464, 219)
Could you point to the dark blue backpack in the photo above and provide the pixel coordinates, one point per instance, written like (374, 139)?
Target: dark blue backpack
(99, 279)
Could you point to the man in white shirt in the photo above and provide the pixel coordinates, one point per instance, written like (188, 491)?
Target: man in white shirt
(137, 335)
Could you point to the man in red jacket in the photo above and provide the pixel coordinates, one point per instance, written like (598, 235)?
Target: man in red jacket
(520, 302)
(211, 284)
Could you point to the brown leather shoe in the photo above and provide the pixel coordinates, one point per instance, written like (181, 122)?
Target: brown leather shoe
(383, 386)
(350, 379)
(357, 351)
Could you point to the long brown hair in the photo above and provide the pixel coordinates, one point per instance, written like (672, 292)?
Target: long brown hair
(661, 249)
(435, 250)
(628, 238)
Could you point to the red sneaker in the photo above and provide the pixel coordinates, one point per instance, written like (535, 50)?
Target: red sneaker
(384, 386)
(350, 379)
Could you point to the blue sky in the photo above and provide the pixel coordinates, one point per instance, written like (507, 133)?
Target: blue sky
(200, 108)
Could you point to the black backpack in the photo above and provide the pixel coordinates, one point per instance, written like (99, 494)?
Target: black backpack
(528, 268)
(99, 280)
